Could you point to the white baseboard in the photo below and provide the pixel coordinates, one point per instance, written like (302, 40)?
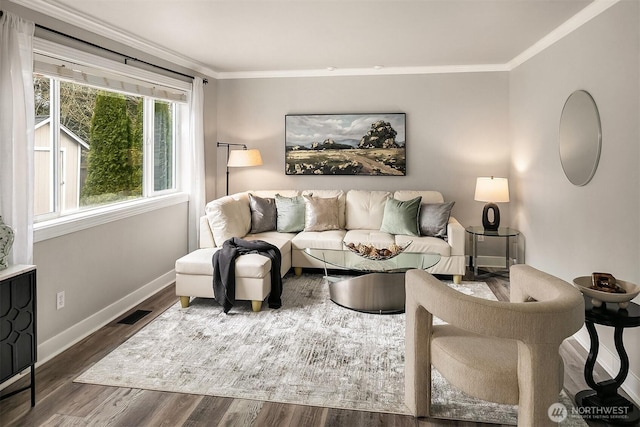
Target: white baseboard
(611, 363)
(64, 340)
(492, 261)
(489, 261)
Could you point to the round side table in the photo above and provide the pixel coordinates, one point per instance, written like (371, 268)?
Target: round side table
(603, 403)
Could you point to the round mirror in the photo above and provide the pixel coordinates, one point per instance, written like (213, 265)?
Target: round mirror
(580, 137)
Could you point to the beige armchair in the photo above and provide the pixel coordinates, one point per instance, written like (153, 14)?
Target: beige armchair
(503, 352)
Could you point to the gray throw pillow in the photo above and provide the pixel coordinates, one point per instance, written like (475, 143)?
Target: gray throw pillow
(290, 214)
(263, 214)
(434, 218)
(401, 217)
(321, 213)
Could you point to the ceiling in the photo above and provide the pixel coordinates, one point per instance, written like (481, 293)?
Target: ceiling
(235, 38)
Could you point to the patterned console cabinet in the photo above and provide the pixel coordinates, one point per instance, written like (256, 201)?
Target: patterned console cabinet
(18, 325)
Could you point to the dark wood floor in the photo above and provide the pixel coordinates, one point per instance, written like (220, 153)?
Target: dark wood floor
(61, 402)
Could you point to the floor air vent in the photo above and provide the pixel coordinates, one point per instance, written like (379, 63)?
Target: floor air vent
(134, 317)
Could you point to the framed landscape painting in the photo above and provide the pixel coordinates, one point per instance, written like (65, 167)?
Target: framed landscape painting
(345, 144)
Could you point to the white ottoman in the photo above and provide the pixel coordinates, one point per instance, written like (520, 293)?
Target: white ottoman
(194, 277)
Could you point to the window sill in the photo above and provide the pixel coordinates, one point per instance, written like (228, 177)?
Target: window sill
(46, 230)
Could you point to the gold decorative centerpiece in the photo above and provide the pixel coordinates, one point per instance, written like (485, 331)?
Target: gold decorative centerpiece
(603, 287)
(369, 251)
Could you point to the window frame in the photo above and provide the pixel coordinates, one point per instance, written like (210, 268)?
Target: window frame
(58, 224)
(148, 186)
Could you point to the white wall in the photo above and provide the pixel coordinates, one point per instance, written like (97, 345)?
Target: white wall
(573, 231)
(103, 271)
(457, 129)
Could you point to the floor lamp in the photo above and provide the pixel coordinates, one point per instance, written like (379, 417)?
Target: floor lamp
(240, 158)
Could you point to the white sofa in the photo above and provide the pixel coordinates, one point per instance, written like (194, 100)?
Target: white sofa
(360, 215)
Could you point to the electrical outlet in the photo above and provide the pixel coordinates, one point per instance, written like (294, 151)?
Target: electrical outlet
(60, 300)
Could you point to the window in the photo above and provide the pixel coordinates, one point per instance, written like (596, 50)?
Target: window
(101, 137)
(163, 146)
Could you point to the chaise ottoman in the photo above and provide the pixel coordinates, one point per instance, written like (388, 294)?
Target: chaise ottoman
(194, 277)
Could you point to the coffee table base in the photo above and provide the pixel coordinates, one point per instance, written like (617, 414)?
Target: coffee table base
(379, 293)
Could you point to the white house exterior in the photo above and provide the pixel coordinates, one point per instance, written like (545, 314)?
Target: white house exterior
(69, 160)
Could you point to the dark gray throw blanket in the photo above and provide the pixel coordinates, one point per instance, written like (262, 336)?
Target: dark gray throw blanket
(224, 264)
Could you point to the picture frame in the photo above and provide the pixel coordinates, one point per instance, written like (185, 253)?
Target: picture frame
(371, 144)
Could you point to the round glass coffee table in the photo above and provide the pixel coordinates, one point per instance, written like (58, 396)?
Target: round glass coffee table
(379, 288)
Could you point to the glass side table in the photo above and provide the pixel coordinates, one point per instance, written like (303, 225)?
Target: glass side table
(510, 236)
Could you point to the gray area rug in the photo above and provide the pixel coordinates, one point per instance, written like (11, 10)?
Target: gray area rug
(309, 352)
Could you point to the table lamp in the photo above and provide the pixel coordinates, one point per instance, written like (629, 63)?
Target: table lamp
(240, 158)
(492, 190)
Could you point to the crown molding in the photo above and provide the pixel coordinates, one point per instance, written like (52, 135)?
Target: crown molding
(383, 71)
(578, 20)
(103, 29)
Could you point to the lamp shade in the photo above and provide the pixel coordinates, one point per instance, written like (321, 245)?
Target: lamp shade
(490, 189)
(242, 158)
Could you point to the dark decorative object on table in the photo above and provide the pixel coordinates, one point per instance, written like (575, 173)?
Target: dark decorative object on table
(486, 222)
(604, 288)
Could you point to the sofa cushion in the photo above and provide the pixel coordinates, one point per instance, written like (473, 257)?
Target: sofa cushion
(199, 262)
(377, 238)
(205, 238)
(342, 198)
(281, 240)
(365, 209)
(320, 213)
(331, 239)
(434, 218)
(426, 244)
(263, 213)
(290, 214)
(401, 216)
(229, 217)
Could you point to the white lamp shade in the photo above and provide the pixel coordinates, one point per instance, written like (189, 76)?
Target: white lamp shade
(490, 189)
(242, 158)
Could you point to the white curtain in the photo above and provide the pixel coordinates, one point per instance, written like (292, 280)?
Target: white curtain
(193, 162)
(16, 133)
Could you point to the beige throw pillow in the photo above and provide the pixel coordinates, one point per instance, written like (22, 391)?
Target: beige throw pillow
(229, 217)
(321, 214)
